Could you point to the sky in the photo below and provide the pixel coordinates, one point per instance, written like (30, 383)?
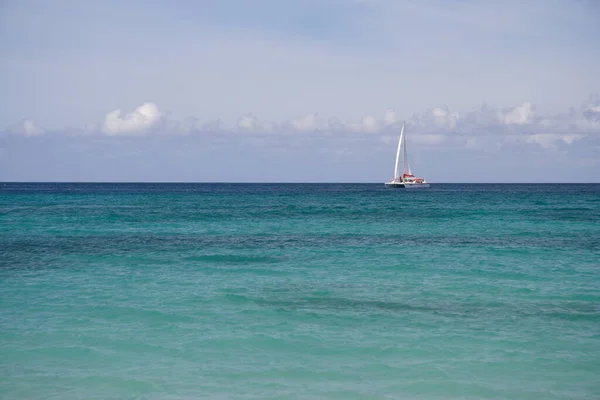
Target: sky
(299, 90)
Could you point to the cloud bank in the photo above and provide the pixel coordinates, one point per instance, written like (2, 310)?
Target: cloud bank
(429, 127)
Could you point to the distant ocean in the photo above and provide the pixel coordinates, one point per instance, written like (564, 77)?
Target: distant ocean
(299, 291)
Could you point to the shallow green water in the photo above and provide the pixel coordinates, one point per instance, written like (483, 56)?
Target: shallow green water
(299, 291)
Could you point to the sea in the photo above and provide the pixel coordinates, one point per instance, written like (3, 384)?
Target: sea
(299, 291)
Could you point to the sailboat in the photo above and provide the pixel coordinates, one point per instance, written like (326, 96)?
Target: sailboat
(407, 179)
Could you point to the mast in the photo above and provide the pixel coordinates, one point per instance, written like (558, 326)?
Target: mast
(398, 152)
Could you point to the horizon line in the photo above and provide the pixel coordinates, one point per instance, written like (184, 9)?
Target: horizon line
(288, 183)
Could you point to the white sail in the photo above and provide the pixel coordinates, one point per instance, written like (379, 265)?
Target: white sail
(398, 151)
(405, 166)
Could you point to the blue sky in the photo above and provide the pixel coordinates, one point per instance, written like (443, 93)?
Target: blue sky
(299, 90)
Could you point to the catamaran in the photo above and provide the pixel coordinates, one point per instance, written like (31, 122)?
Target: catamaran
(407, 179)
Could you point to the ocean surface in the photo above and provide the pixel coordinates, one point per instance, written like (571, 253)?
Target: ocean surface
(299, 291)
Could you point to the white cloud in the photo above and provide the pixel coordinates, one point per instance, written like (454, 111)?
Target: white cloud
(475, 121)
(437, 119)
(590, 118)
(390, 117)
(336, 125)
(250, 124)
(309, 122)
(546, 140)
(26, 128)
(247, 122)
(31, 129)
(519, 115)
(445, 118)
(593, 113)
(137, 122)
(550, 140)
(369, 124)
(212, 126)
(570, 139)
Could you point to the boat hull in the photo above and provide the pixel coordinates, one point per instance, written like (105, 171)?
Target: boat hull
(416, 185)
(405, 185)
(394, 185)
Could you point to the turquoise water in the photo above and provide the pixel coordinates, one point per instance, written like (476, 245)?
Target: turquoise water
(225, 291)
